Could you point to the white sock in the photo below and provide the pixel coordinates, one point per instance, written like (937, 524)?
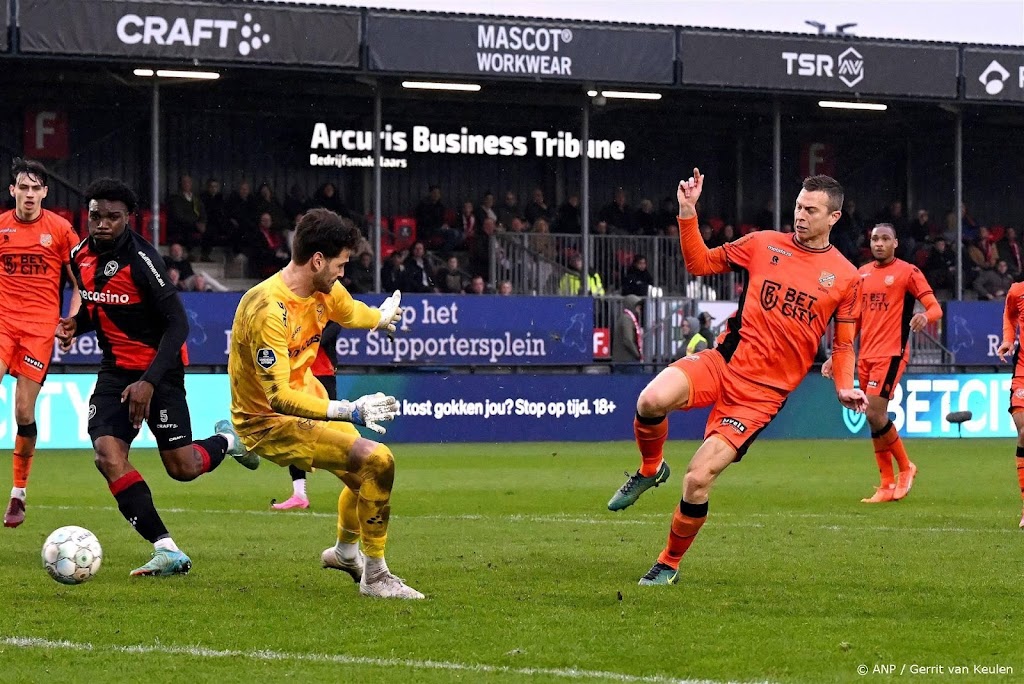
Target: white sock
(18, 493)
(229, 438)
(375, 566)
(299, 487)
(347, 551)
(165, 544)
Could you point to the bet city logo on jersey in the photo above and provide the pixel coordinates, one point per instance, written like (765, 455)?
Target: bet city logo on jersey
(245, 36)
(790, 302)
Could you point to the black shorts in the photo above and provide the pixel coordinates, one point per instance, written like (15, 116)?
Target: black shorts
(169, 419)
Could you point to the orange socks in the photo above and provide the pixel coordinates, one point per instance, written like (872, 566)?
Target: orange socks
(883, 457)
(686, 523)
(1020, 470)
(650, 434)
(24, 449)
(891, 440)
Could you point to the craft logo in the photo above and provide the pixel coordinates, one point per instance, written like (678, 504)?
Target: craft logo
(245, 37)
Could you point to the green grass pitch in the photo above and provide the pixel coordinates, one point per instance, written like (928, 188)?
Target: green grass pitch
(530, 579)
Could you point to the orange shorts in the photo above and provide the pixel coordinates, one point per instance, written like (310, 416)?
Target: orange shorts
(1017, 393)
(26, 353)
(879, 377)
(741, 408)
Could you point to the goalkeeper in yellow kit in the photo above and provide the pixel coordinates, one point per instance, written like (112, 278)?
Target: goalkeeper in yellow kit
(282, 413)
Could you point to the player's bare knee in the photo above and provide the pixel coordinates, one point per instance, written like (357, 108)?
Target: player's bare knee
(651, 403)
(697, 480)
(181, 472)
(108, 461)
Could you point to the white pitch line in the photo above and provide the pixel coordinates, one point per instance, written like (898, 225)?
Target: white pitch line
(643, 519)
(269, 655)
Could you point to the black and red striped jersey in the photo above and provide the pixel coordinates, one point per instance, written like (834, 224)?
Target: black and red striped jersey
(128, 299)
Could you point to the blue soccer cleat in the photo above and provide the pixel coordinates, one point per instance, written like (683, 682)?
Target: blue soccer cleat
(164, 564)
(659, 574)
(636, 485)
(247, 458)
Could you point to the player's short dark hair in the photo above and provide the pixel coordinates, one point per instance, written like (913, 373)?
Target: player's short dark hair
(885, 225)
(828, 185)
(30, 167)
(112, 190)
(321, 230)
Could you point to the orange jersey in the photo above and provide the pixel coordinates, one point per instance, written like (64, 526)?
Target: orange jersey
(792, 294)
(1013, 320)
(887, 304)
(33, 256)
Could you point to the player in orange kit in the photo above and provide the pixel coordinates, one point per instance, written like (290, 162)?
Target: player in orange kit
(1013, 320)
(796, 283)
(888, 289)
(35, 249)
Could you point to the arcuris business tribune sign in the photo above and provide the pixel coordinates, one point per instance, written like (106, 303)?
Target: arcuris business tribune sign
(520, 49)
(834, 66)
(252, 33)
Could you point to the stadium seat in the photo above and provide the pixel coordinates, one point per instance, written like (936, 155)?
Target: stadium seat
(404, 230)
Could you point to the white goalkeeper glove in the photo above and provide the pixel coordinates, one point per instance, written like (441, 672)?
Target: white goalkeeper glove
(367, 410)
(390, 313)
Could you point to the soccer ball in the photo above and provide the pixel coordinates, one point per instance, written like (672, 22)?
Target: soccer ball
(72, 554)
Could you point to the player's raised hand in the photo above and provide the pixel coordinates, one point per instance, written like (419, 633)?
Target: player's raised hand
(688, 193)
(65, 334)
(918, 322)
(390, 312)
(853, 399)
(139, 394)
(826, 368)
(1004, 349)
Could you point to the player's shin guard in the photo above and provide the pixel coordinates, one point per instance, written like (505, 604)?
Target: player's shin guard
(211, 451)
(883, 457)
(374, 506)
(24, 450)
(893, 443)
(650, 434)
(135, 501)
(348, 516)
(686, 523)
(1020, 470)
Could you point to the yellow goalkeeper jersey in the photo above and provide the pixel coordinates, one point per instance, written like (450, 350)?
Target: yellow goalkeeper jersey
(274, 340)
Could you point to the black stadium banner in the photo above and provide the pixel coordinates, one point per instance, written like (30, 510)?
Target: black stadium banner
(522, 49)
(5, 8)
(825, 66)
(996, 75)
(253, 33)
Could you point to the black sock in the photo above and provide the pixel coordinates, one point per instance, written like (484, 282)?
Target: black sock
(212, 449)
(135, 501)
(296, 473)
(1020, 452)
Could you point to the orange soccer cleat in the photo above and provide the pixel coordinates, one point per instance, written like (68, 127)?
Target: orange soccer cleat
(904, 481)
(882, 494)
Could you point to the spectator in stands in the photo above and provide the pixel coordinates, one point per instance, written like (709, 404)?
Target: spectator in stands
(505, 287)
(569, 219)
(541, 240)
(848, 234)
(186, 216)
(391, 271)
(200, 284)
(518, 226)
(667, 215)
(970, 226)
(922, 229)
(431, 224)
(993, 284)
(326, 196)
(509, 210)
(218, 229)
(466, 222)
(1009, 249)
(617, 213)
(267, 204)
(538, 208)
(704, 318)
(637, 279)
(571, 283)
(295, 203)
(480, 250)
(707, 234)
(983, 251)
(417, 275)
(268, 252)
(175, 277)
(644, 220)
(486, 209)
(242, 217)
(359, 274)
(178, 260)
(477, 286)
(726, 234)
(895, 217)
(628, 336)
(451, 279)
